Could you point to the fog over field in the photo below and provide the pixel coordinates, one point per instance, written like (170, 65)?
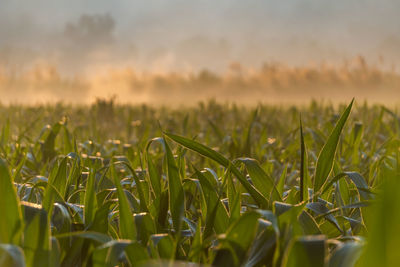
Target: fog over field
(145, 51)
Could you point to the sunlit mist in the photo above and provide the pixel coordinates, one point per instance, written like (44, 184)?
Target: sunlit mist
(185, 51)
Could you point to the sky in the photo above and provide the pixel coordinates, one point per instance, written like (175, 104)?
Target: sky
(181, 35)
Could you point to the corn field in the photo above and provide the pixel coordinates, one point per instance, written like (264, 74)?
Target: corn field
(213, 185)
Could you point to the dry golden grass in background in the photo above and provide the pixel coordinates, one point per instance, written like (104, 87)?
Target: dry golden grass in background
(272, 82)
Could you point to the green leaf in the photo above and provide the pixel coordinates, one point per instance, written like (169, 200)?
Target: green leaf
(10, 210)
(237, 240)
(51, 196)
(288, 216)
(139, 187)
(356, 178)
(281, 183)
(153, 173)
(11, 255)
(310, 226)
(261, 180)
(304, 177)
(247, 133)
(234, 198)
(176, 197)
(211, 218)
(100, 222)
(36, 235)
(345, 255)
(320, 208)
(67, 141)
(48, 147)
(309, 251)
(154, 176)
(209, 153)
(109, 254)
(126, 222)
(263, 247)
(98, 237)
(216, 212)
(355, 141)
(327, 154)
(196, 248)
(90, 199)
(62, 220)
(56, 186)
(383, 220)
(361, 184)
(55, 253)
(145, 226)
(164, 244)
(5, 134)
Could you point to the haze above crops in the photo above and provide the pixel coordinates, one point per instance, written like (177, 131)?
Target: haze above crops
(189, 51)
